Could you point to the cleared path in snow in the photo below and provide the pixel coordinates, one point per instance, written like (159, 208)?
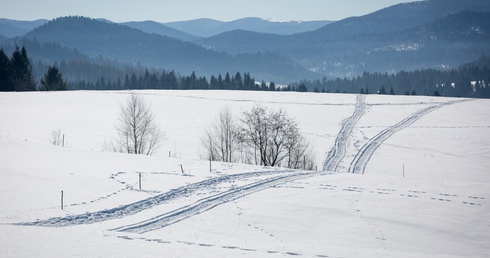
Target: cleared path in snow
(337, 153)
(209, 203)
(263, 179)
(358, 164)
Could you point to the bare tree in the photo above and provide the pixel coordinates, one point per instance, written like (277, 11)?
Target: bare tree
(273, 138)
(220, 141)
(261, 137)
(254, 134)
(299, 153)
(137, 130)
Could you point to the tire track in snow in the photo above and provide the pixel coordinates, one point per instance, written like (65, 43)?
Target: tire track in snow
(208, 203)
(136, 207)
(337, 153)
(358, 164)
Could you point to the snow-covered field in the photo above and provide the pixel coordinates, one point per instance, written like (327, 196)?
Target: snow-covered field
(419, 181)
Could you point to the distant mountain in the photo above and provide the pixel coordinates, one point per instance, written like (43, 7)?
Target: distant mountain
(395, 18)
(209, 27)
(14, 28)
(482, 62)
(243, 41)
(200, 27)
(160, 29)
(384, 41)
(117, 42)
(439, 34)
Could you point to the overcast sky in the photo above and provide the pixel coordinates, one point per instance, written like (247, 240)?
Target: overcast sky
(179, 10)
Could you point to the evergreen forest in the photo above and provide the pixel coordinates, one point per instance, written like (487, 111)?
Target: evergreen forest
(17, 73)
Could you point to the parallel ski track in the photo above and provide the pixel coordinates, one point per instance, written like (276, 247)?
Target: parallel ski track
(181, 192)
(337, 153)
(358, 164)
(208, 203)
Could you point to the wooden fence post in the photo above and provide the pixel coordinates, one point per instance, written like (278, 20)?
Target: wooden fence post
(62, 200)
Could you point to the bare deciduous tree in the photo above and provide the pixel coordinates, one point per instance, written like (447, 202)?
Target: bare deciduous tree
(273, 138)
(220, 141)
(137, 130)
(299, 153)
(261, 137)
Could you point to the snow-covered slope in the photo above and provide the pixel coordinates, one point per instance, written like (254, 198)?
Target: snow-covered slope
(419, 184)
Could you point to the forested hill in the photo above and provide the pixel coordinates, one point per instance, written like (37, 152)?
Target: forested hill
(160, 29)
(127, 45)
(471, 80)
(210, 27)
(406, 37)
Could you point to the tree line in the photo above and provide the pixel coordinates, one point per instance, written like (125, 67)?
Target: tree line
(470, 80)
(173, 81)
(16, 74)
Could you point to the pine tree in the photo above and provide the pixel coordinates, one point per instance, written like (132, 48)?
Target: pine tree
(272, 86)
(238, 81)
(220, 82)
(263, 85)
(53, 80)
(382, 90)
(392, 92)
(302, 88)
(22, 70)
(227, 81)
(5, 72)
(213, 82)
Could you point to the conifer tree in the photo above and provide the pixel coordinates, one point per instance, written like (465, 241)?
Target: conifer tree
(22, 70)
(220, 82)
(238, 81)
(272, 86)
(227, 81)
(5, 72)
(392, 92)
(382, 90)
(52, 80)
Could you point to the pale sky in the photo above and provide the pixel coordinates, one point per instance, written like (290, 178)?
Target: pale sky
(179, 10)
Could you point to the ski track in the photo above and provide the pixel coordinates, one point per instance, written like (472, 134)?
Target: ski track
(337, 153)
(209, 203)
(136, 207)
(358, 164)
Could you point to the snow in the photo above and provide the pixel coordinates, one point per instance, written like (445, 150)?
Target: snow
(424, 192)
